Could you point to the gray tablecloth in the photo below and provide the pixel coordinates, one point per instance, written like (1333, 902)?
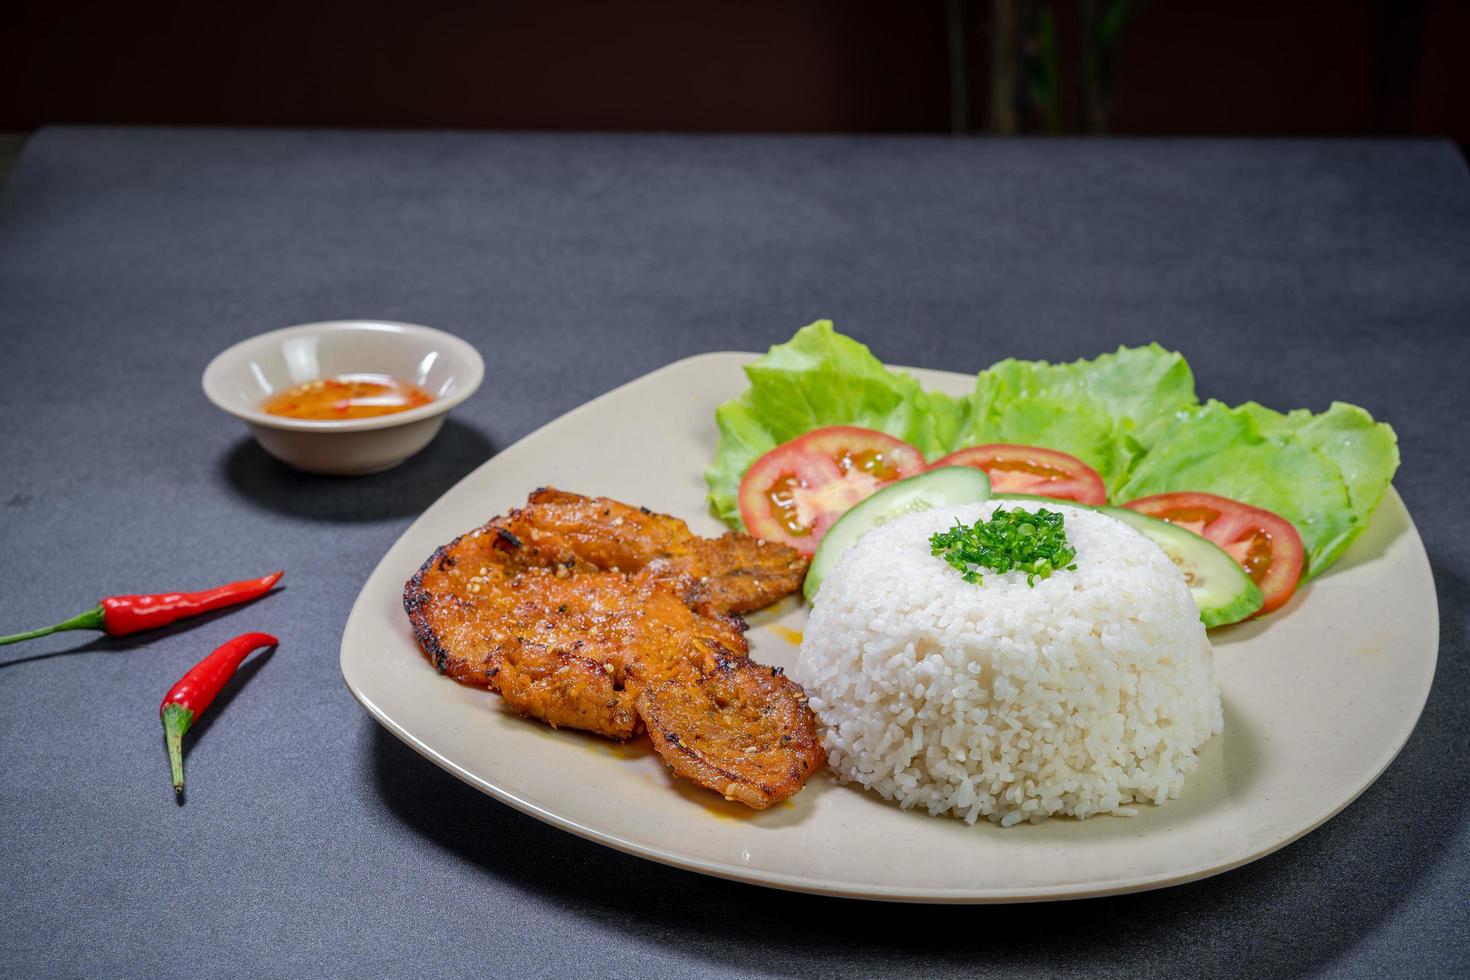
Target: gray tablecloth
(314, 843)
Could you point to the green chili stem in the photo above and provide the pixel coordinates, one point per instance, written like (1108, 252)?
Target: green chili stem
(89, 620)
(176, 721)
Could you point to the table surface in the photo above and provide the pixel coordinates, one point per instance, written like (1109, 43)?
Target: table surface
(313, 842)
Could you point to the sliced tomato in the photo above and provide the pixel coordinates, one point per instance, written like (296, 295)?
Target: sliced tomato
(1031, 469)
(796, 491)
(1267, 546)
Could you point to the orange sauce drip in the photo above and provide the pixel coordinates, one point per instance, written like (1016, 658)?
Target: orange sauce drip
(1025, 466)
(1258, 557)
(786, 633)
(782, 499)
(868, 461)
(781, 494)
(1190, 515)
(350, 396)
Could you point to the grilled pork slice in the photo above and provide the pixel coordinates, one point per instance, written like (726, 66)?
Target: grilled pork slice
(568, 643)
(733, 573)
(573, 608)
(742, 729)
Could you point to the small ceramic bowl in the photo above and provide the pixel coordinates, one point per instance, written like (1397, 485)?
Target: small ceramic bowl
(239, 380)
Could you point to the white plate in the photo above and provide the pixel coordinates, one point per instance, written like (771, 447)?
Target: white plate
(1319, 698)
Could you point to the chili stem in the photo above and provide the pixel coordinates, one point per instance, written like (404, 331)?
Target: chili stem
(176, 721)
(89, 620)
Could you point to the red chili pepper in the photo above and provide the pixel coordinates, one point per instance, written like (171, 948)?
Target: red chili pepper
(195, 691)
(120, 615)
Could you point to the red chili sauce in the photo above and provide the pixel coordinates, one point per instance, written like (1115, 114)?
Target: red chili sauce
(350, 396)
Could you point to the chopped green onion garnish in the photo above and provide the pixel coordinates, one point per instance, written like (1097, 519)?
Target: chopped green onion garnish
(1011, 541)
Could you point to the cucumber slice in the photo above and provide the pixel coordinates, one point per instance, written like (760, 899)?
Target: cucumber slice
(946, 486)
(1221, 588)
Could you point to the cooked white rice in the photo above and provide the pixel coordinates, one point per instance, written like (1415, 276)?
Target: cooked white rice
(1080, 696)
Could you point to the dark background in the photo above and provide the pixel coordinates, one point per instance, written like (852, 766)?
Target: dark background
(314, 844)
(1183, 67)
(317, 845)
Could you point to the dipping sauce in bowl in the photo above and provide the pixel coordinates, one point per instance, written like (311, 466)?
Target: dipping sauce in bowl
(344, 397)
(348, 396)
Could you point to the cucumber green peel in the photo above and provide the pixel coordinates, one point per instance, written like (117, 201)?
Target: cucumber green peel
(948, 486)
(1222, 590)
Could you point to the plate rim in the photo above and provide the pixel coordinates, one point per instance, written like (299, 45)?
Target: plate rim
(807, 885)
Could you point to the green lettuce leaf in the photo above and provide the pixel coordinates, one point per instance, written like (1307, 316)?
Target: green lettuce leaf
(1365, 452)
(1325, 473)
(1102, 411)
(819, 378)
(1131, 414)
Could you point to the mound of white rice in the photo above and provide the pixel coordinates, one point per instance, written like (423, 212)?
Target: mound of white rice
(1089, 692)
